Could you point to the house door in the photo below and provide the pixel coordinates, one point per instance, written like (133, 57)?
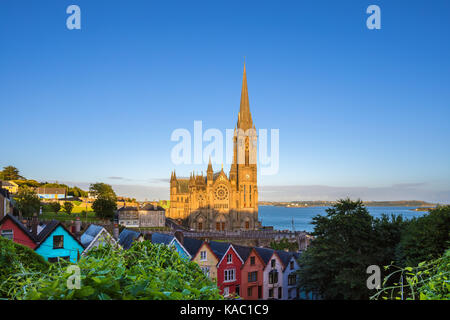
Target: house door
(259, 292)
(223, 226)
(238, 290)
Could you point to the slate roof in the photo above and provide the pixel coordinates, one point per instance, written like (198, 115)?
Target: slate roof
(162, 238)
(19, 224)
(127, 237)
(265, 253)
(219, 248)
(130, 208)
(89, 235)
(44, 190)
(285, 257)
(151, 207)
(242, 251)
(6, 183)
(192, 245)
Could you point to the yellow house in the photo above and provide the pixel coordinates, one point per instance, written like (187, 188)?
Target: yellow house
(11, 186)
(208, 256)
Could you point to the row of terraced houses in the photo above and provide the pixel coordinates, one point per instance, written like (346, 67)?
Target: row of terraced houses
(248, 272)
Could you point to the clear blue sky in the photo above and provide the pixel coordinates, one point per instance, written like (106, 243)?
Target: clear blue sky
(364, 112)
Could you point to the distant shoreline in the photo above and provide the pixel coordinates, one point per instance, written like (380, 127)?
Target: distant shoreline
(418, 205)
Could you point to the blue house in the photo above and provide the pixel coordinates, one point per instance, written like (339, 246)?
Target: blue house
(56, 242)
(169, 240)
(94, 236)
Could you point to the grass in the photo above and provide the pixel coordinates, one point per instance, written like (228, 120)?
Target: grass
(63, 216)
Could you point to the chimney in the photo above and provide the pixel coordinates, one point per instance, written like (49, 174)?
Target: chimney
(116, 231)
(78, 228)
(148, 236)
(34, 224)
(180, 236)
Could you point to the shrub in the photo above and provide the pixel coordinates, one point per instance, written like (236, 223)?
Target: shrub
(145, 271)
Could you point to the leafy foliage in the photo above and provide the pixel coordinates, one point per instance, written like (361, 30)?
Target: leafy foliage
(284, 244)
(55, 206)
(102, 190)
(429, 280)
(104, 207)
(10, 173)
(347, 240)
(425, 238)
(18, 264)
(68, 207)
(145, 271)
(27, 201)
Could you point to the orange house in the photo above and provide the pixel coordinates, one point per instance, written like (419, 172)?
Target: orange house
(252, 274)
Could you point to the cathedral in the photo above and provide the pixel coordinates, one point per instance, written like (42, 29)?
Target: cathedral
(217, 201)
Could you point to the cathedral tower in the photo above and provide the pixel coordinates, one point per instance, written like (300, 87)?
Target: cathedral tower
(216, 201)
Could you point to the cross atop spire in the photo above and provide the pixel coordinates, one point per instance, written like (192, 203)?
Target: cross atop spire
(245, 117)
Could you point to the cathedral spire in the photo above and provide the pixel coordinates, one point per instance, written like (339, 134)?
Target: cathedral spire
(209, 165)
(245, 117)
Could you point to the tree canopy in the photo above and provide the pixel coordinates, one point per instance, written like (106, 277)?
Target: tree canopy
(10, 173)
(347, 240)
(27, 201)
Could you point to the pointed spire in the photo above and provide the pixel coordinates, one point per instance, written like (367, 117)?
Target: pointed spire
(210, 169)
(244, 117)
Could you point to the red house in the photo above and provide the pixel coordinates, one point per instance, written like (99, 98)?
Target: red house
(252, 277)
(13, 229)
(229, 270)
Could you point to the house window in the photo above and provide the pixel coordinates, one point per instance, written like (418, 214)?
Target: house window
(200, 226)
(205, 271)
(271, 293)
(253, 276)
(273, 276)
(218, 226)
(226, 291)
(291, 265)
(229, 258)
(292, 279)
(252, 261)
(8, 234)
(229, 275)
(272, 263)
(56, 259)
(249, 291)
(58, 242)
(247, 225)
(202, 255)
(223, 226)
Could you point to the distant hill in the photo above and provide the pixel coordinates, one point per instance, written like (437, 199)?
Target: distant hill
(400, 203)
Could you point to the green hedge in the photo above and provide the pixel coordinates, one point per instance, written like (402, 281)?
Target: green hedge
(17, 264)
(145, 271)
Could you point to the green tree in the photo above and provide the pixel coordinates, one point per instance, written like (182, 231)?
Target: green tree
(55, 207)
(77, 192)
(284, 244)
(11, 173)
(27, 201)
(347, 242)
(102, 190)
(68, 207)
(425, 238)
(104, 207)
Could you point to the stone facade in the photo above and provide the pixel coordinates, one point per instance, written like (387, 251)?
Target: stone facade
(145, 217)
(219, 201)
